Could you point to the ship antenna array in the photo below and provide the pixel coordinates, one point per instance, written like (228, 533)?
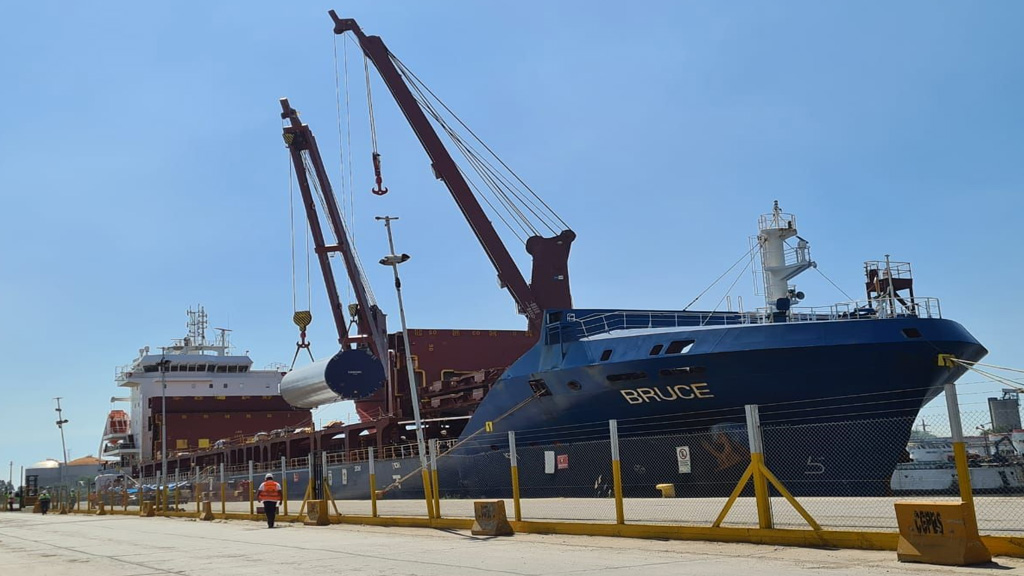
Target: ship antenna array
(197, 324)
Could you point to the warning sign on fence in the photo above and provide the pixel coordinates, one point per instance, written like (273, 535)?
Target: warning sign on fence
(683, 456)
(563, 461)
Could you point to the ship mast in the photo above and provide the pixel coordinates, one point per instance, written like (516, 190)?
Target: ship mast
(549, 288)
(779, 264)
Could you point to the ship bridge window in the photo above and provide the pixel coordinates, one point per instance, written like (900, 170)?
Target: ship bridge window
(222, 369)
(679, 347)
(911, 332)
(656, 349)
(232, 369)
(607, 354)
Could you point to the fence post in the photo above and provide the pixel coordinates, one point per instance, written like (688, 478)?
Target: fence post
(427, 496)
(197, 491)
(515, 475)
(373, 486)
(223, 491)
(963, 474)
(252, 505)
(311, 485)
(613, 429)
(764, 505)
(284, 483)
(434, 480)
(324, 486)
(177, 490)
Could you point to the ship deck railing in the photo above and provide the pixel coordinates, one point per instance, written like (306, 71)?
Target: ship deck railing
(574, 327)
(338, 457)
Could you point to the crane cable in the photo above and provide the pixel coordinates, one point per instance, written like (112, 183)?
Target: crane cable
(347, 194)
(301, 318)
(507, 193)
(723, 275)
(379, 190)
(415, 80)
(398, 483)
(291, 219)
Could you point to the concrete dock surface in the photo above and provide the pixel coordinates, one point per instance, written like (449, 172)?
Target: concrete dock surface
(80, 545)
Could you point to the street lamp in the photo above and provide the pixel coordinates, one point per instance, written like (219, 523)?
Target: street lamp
(394, 260)
(984, 432)
(63, 447)
(164, 362)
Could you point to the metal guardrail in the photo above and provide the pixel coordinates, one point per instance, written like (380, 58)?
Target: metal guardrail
(572, 327)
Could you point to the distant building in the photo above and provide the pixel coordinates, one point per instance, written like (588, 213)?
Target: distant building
(1005, 412)
(48, 473)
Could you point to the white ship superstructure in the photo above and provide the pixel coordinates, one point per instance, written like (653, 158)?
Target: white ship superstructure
(205, 386)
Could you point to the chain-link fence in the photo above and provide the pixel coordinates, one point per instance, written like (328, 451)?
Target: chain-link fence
(830, 466)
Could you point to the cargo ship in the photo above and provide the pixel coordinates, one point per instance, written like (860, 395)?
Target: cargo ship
(195, 395)
(669, 378)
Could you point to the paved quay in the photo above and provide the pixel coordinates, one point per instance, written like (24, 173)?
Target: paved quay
(78, 545)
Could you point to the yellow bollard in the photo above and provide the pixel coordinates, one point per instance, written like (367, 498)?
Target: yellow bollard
(489, 519)
(317, 513)
(207, 514)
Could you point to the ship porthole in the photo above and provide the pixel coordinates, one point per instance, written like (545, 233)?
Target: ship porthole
(574, 385)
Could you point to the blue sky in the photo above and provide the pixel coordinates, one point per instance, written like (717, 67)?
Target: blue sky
(142, 170)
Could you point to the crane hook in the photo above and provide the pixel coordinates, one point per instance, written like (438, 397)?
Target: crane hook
(379, 190)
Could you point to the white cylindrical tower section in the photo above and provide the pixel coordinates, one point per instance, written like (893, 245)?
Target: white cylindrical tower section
(774, 230)
(773, 256)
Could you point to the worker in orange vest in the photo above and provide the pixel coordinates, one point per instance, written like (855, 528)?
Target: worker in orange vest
(270, 495)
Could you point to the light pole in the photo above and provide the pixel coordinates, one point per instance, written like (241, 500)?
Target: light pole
(163, 420)
(394, 260)
(63, 447)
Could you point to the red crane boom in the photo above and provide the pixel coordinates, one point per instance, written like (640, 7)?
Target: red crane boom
(549, 287)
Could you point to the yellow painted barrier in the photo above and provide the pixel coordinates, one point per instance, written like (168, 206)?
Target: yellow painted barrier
(102, 511)
(667, 490)
(147, 510)
(939, 533)
(317, 514)
(490, 519)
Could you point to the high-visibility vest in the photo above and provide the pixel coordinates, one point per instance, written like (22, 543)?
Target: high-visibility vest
(269, 490)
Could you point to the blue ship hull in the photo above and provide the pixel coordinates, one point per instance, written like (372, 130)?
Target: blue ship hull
(837, 402)
(837, 399)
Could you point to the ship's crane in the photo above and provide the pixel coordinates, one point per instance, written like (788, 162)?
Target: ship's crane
(549, 286)
(360, 369)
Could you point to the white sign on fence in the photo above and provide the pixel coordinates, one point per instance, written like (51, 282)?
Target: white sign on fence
(549, 462)
(683, 455)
